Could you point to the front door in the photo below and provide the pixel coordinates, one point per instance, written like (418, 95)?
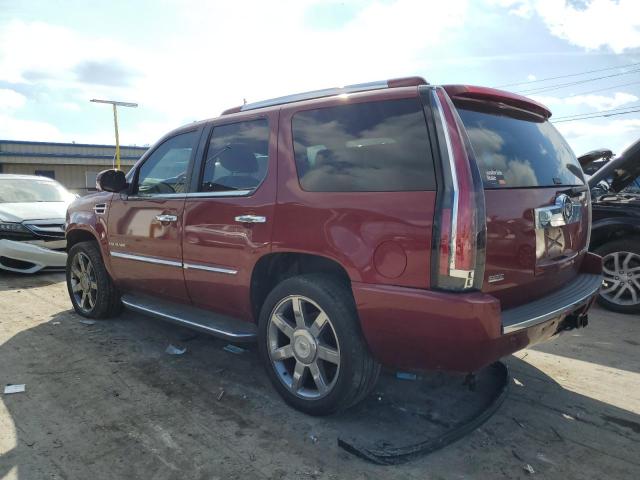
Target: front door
(228, 222)
(144, 227)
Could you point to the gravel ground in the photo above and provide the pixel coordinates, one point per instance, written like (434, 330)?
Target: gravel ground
(105, 401)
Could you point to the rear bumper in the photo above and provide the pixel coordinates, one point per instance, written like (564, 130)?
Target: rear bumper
(24, 257)
(423, 329)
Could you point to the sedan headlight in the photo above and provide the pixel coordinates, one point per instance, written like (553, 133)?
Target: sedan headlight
(6, 227)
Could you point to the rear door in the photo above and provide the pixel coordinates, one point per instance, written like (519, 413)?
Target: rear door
(229, 218)
(144, 227)
(537, 204)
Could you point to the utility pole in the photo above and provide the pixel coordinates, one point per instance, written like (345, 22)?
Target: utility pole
(115, 106)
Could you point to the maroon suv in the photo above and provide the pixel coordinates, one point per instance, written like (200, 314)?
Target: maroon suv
(391, 223)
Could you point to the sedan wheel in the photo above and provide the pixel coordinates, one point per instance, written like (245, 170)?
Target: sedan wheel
(303, 347)
(83, 282)
(621, 284)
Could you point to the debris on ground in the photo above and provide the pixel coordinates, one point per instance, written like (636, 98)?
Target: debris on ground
(567, 416)
(234, 349)
(87, 322)
(9, 388)
(55, 323)
(173, 350)
(313, 438)
(518, 382)
(529, 469)
(221, 394)
(406, 376)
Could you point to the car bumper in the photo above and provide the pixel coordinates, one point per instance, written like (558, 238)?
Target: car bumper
(464, 332)
(26, 257)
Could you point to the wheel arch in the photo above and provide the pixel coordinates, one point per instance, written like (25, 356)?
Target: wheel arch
(612, 229)
(273, 268)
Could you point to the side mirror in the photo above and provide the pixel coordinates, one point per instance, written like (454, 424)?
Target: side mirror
(111, 181)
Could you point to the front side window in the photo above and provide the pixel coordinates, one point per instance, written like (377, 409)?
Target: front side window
(237, 157)
(165, 171)
(365, 147)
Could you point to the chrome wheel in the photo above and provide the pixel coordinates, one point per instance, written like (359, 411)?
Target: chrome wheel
(621, 283)
(83, 282)
(303, 347)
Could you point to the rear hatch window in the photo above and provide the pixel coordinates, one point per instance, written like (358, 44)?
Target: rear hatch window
(525, 165)
(519, 151)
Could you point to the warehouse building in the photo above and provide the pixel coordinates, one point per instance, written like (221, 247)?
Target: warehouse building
(75, 165)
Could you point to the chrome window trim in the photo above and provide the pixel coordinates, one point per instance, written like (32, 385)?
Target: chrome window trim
(230, 193)
(160, 196)
(195, 266)
(140, 258)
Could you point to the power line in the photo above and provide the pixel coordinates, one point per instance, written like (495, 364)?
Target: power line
(599, 112)
(603, 89)
(577, 82)
(567, 76)
(596, 116)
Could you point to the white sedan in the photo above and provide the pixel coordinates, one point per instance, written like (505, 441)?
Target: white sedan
(32, 216)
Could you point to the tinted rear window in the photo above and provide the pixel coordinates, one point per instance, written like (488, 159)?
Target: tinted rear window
(365, 147)
(519, 152)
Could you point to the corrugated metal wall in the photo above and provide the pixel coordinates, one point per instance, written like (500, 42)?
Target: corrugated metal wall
(73, 165)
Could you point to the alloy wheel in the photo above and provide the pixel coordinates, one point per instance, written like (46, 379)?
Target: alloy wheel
(83, 282)
(303, 347)
(621, 283)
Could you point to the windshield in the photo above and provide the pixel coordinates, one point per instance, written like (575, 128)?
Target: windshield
(32, 190)
(519, 152)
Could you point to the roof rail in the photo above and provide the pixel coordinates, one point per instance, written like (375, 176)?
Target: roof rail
(329, 92)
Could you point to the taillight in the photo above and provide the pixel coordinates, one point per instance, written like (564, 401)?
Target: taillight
(460, 225)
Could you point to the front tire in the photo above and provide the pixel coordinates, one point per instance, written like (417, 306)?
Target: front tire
(312, 347)
(90, 287)
(620, 291)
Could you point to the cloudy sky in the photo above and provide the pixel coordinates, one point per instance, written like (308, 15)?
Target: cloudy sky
(188, 60)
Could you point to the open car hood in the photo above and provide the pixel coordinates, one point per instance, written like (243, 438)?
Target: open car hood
(590, 157)
(622, 170)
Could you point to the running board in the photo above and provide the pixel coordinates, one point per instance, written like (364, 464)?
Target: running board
(188, 316)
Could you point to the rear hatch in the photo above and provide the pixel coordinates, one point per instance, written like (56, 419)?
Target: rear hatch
(537, 204)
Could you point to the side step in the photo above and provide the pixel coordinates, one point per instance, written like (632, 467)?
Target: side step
(205, 321)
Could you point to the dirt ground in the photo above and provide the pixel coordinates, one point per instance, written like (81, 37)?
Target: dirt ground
(105, 401)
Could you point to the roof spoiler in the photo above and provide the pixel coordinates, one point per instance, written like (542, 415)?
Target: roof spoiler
(497, 96)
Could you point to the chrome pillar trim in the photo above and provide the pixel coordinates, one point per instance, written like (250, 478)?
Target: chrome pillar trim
(140, 258)
(454, 182)
(195, 266)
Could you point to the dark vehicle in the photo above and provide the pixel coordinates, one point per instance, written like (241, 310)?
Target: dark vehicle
(391, 223)
(615, 235)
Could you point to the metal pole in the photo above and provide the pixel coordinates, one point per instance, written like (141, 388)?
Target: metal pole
(115, 123)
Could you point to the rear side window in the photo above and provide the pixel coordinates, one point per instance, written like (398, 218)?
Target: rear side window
(237, 157)
(519, 152)
(365, 147)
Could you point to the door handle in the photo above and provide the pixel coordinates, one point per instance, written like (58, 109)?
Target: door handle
(251, 219)
(166, 218)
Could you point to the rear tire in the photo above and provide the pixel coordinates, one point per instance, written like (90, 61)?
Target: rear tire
(621, 268)
(90, 287)
(318, 361)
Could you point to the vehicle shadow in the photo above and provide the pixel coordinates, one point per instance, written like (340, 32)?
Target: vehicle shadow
(104, 400)
(611, 340)
(15, 281)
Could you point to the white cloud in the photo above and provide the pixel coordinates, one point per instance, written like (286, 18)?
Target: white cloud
(17, 129)
(219, 54)
(599, 23)
(597, 102)
(10, 99)
(531, 77)
(586, 135)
